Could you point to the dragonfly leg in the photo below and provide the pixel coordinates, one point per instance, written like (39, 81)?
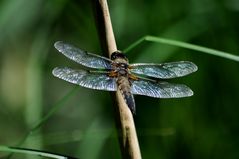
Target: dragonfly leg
(112, 74)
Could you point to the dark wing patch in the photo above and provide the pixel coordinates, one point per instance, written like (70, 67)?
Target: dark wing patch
(93, 80)
(83, 57)
(165, 70)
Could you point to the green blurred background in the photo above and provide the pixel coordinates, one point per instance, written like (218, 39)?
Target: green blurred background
(203, 126)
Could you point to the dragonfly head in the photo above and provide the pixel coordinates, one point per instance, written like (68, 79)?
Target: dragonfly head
(118, 55)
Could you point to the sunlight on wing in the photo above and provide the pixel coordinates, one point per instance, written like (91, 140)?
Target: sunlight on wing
(165, 70)
(83, 57)
(86, 79)
(160, 89)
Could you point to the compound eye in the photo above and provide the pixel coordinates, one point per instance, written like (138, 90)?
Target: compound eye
(113, 56)
(117, 54)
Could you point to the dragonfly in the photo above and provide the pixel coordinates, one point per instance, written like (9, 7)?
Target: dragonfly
(115, 73)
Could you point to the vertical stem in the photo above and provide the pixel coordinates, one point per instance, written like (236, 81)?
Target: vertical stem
(124, 118)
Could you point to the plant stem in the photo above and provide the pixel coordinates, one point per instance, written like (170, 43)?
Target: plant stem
(124, 118)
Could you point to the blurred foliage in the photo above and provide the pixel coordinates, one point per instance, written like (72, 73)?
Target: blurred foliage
(203, 126)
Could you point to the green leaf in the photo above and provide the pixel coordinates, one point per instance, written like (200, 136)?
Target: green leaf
(32, 152)
(183, 45)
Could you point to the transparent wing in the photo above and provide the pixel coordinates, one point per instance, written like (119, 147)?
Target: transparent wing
(83, 57)
(93, 80)
(165, 70)
(160, 89)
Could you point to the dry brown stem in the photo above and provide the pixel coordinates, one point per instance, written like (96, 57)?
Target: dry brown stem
(124, 118)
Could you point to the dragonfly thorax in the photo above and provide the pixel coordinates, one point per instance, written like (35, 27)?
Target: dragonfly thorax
(122, 69)
(123, 72)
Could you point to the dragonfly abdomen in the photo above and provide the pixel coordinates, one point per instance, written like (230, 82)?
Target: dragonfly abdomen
(125, 89)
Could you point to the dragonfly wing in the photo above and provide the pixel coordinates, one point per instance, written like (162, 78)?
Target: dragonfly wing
(83, 57)
(93, 80)
(160, 89)
(165, 70)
